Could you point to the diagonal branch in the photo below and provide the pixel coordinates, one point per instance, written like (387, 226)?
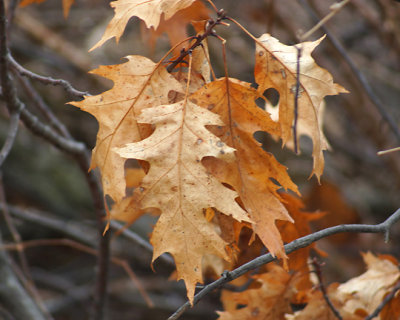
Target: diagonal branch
(295, 245)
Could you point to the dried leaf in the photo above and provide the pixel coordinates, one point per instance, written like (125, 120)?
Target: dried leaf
(149, 11)
(138, 84)
(179, 185)
(253, 169)
(66, 4)
(269, 302)
(276, 66)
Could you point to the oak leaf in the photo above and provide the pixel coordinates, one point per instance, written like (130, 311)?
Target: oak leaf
(298, 260)
(276, 67)
(180, 186)
(253, 169)
(149, 11)
(356, 298)
(268, 302)
(138, 84)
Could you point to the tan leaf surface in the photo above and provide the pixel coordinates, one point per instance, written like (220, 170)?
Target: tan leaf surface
(149, 11)
(276, 66)
(269, 302)
(253, 168)
(368, 289)
(356, 298)
(175, 26)
(179, 185)
(138, 84)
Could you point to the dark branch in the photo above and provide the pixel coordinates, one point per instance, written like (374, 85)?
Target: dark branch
(209, 31)
(295, 245)
(384, 302)
(317, 268)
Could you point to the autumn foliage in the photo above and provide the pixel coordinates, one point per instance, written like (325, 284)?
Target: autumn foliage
(200, 169)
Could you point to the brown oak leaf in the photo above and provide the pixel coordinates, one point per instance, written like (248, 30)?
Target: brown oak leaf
(138, 84)
(276, 67)
(180, 186)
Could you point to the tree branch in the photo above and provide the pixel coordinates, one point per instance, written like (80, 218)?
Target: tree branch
(295, 245)
(74, 93)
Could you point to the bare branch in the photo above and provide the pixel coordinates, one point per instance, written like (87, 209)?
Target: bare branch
(295, 245)
(12, 133)
(46, 80)
(317, 268)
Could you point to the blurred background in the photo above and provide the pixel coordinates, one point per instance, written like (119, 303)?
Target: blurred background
(47, 193)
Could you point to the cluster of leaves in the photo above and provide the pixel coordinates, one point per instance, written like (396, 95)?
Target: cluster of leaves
(199, 166)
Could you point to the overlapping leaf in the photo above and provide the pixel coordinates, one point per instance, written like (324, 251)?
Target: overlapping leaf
(138, 84)
(149, 11)
(253, 169)
(268, 302)
(179, 185)
(276, 67)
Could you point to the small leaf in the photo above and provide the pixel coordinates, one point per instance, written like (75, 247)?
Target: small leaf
(149, 11)
(276, 66)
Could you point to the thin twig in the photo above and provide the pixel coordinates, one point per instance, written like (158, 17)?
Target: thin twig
(209, 31)
(384, 302)
(36, 99)
(295, 245)
(11, 134)
(47, 80)
(78, 246)
(335, 8)
(381, 153)
(360, 76)
(103, 257)
(296, 99)
(317, 269)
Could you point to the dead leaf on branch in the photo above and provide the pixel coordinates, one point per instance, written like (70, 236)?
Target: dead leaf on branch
(150, 11)
(276, 66)
(269, 302)
(180, 186)
(251, 172)
(359, 296)
(138, 84)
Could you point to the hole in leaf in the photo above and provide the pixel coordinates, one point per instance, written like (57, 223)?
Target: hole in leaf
(260, 102)
(272, 95)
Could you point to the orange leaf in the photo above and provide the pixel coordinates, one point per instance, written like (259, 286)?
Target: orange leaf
(253, 168)
(271, 301)
(276, 66)
(149, 11)
(66, 5)
(298, 260)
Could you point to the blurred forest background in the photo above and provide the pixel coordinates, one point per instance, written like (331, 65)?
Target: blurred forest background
(47, 195)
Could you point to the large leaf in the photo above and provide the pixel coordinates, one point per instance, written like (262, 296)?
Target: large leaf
(179, 185)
